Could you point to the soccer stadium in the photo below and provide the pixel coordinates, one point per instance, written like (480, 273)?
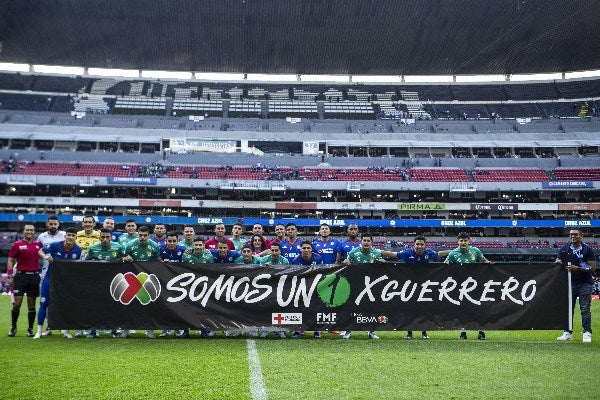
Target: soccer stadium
(403, 119)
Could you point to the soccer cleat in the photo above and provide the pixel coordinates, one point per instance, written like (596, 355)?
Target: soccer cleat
(38, 335)
(227, 333)
(66, 334)
(587, 337)
(565, 336)
(150, 334)
(347, 335)
(373, 335)
(253, 333)
(481, 335)
(12, 332)
(125, 333)
(263, 334)
(93, 334)
(281, 334)
(47, 332)
(78, 334)
(317, 335)
(29, 332)
(185, 334)
(165, 333)
(424, 335)
(463, 336)
(295, 335)
(408, 336)
(238, 333)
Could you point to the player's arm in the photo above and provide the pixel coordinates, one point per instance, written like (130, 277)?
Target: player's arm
(45, 255)
(443, 253)
(486, 261)
(389, 254)
(10, 265)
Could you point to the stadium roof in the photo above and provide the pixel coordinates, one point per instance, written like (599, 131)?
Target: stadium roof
(369, 37)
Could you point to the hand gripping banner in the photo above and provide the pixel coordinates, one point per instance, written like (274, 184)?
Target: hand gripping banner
(152, 295)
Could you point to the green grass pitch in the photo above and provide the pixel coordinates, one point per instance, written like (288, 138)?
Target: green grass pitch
(510, 364)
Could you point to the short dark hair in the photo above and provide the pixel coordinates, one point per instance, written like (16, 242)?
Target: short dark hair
(144, 228)
(464, 235)
(74, 231)
(290, 224)
(104, 230)
(247, 246)
(306, 242)
(419, 237)
(199, 238)
(364, 235)
(276, 244)
(172, 233)
(130, 220)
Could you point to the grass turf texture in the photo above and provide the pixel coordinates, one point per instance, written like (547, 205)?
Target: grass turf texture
(510, 364)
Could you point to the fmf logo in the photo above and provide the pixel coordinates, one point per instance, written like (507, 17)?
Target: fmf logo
(286, 318)
(125, 287)
(326, 318)
(370, 319)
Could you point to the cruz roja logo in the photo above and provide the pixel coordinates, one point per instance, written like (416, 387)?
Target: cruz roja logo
(334, 290)
(125, 287)
(286, 318)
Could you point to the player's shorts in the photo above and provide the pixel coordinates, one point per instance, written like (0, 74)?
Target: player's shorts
(26, 283)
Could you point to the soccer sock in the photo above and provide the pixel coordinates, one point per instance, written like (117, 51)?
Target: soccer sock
(15, 317)
(31, 318)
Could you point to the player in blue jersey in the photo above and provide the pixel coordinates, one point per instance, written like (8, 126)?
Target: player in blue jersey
(326, 246)
(159, 232)
(418, 254)
(171, 251)
(291, 247)
(347, 245)
(65, 250)
(222, 254)
(307, 257)
(109, 223)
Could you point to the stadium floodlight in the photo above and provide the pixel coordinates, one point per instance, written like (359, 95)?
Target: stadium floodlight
(219, 76)
(167, 75)
(479, 78)
(325, 78)
(582, 74)
(428, 78)
(272, 77)
(13, 67)
(535, 77)
(114, 72)
(376, 78)
(58, 69)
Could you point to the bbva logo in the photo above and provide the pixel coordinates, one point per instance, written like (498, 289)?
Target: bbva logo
(128, 286)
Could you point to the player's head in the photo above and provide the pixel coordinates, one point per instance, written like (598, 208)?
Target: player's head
(306, 249)
(199, 245)
(105, 237)
(275, 251)
(143, 234)
(324, 230)
(366, 241)
(70, 235)
(419, 243)
(172, 240)
(464, 240)
(52, 224)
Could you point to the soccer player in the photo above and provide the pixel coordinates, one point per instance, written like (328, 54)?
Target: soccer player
(188, 237)
(418, 254)
(52, 235)
(247, 257)
(109, 223)
(466, 254)
(199, 255)
(352, 242)
(291, 247)
(365, 254)
(142, 249)
(65, 250)
(307, 257)
(578, 258)
(23, 272)
(236, 236)
(171, 251)
(275, 258)
(326, 246)
(130, 233)
(222, 254)
(212, 244)
(88, 236)
(279, 233)
(159, 231)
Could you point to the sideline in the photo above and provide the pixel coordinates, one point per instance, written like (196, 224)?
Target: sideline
(258, 391)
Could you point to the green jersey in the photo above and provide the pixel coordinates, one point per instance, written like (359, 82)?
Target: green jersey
(188, 246)
(204, 258)
(124, 240)
(150, 252)
(356, 256)
(114, 252)
(472, 255)
(240, 260)
(269, 260)
(239, 243)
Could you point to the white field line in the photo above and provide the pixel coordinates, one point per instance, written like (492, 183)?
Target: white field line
(258, 391)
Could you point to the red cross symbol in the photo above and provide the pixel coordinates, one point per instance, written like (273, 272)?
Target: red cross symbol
(279, 319)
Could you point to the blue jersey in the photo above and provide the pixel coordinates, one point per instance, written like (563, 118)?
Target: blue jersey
(173, 256)
(314, 260)
(114, 236)
(58, 252)
(228, 259)
(291, 250)
(346, 246)
(410, 257)
(159, 242)
(327, 250)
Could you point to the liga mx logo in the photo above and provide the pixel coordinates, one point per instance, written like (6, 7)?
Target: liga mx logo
(126, 287)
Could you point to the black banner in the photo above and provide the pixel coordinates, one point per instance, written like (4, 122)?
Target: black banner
(152, 295)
